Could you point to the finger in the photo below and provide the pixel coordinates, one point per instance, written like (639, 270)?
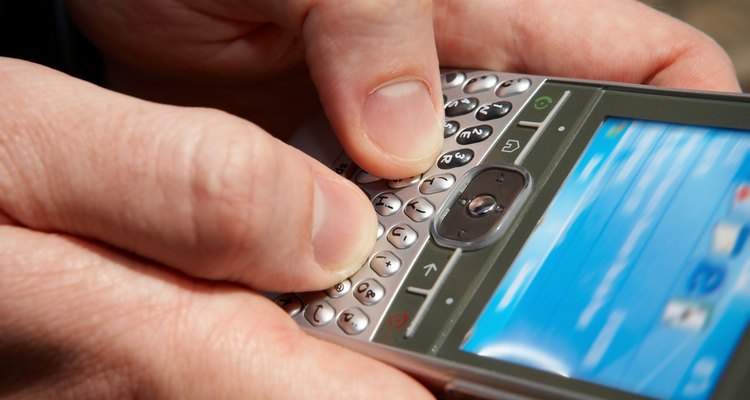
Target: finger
(189, 41)
(375, 66)
(620, 40)
(195, 189)
(198, 54)
(96, 324)
(374, 62)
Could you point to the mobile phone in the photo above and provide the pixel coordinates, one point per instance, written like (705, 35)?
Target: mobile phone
(575, 240)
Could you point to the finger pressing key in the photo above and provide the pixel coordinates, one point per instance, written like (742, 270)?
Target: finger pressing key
(195, 189)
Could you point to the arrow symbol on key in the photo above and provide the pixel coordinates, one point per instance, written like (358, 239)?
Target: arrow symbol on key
(429, 268)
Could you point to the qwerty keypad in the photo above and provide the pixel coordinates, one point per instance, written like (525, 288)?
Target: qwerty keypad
(479, 107)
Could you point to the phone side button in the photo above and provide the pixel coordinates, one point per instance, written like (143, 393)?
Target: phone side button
(353, 321)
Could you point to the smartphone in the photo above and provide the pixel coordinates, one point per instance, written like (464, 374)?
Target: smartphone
(575, 240)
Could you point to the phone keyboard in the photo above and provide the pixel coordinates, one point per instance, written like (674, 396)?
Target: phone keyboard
(479, 109)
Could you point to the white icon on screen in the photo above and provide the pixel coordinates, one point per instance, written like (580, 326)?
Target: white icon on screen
(686, 314)
(728, 239)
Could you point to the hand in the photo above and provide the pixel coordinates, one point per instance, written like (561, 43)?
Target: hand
(373, 60)
(373, 63)
(101, 191)
(622, 41)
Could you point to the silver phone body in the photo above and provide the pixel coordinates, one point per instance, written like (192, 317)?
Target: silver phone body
(539, 128)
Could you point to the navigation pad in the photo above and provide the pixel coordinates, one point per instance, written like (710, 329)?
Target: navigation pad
(477, 213)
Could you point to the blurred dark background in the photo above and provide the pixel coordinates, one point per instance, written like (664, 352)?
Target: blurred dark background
(727, 21)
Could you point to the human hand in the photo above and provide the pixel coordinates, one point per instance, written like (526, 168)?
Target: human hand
(621, 41)
(99, 192)
(171, 185)
(251, 60)
(373, 63)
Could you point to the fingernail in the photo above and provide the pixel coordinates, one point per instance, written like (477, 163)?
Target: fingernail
(401, 119)
(344, 226)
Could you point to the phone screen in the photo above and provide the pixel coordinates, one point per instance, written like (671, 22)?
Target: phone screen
(638, 275)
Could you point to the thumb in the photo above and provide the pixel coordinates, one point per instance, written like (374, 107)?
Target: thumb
(377, 74)
(196, 189)
(376, 69)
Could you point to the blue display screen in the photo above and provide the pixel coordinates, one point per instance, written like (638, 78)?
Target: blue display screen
(638, 275)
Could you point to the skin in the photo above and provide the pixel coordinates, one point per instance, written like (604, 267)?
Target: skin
(137, 227)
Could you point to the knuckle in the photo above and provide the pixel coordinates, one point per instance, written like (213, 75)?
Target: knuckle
(231, 175)
(23, 166)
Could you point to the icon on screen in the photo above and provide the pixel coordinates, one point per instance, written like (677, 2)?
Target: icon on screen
(741, 200)
(618, 129)
(728, 238)
(686, 314)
